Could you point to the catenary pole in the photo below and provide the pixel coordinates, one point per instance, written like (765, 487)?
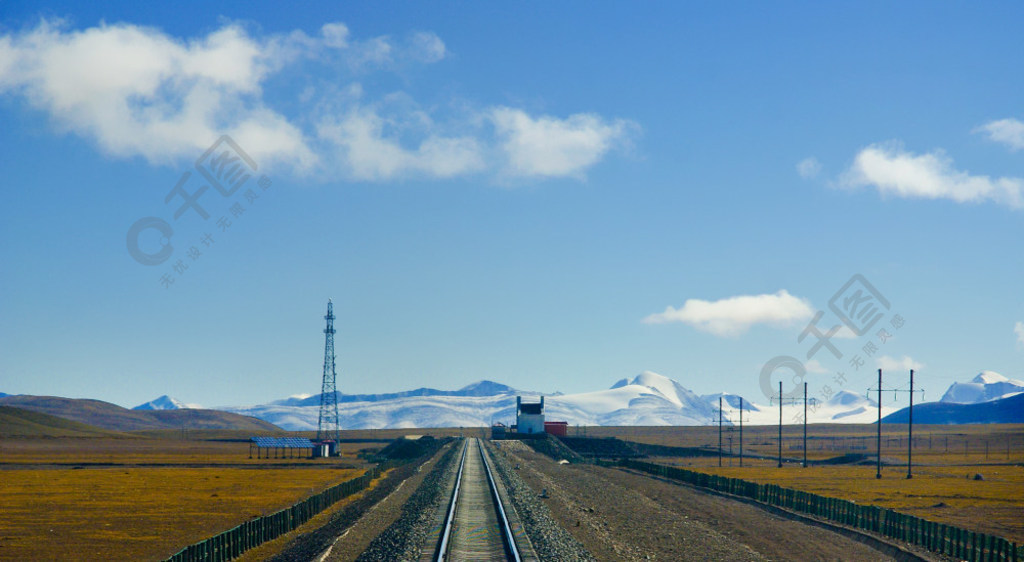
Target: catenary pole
(805, 425)
(878, 442)
(741, 431)
(719, 431)
(910, 429)
(780, 424)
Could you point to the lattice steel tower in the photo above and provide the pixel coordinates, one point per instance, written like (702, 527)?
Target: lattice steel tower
(328, 426)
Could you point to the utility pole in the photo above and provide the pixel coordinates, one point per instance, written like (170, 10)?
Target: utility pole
(878, 442)
(741, 431)
(780, 424)
(910, 429)
(719, 431)
(910, 424)
(782, 399)
(805, 425)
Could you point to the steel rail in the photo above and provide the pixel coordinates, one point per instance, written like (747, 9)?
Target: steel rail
(510, 541)
(450, 518)
(504, 529)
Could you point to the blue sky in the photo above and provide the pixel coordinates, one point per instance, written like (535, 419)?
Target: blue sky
(551, 196)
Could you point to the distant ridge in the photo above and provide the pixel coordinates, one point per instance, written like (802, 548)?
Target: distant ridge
(1003, 410)
(17, 422)
(105, 415)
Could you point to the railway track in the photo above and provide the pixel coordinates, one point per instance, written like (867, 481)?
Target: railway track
(476, 526)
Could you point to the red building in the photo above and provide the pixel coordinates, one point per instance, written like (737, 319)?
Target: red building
(558, 428)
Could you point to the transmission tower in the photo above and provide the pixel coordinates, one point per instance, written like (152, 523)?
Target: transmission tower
(328, 426)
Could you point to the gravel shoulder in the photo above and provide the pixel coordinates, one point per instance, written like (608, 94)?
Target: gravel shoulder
(619, 515)
(357, 538)
(309, 545)
(546, 537)
(412, 534)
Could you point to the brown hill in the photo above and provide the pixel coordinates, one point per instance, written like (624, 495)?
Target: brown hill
(16, 422)
(105, 415)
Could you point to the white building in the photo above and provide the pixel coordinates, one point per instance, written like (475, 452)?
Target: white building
(529, 417)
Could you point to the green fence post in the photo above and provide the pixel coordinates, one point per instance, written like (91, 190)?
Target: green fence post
(959, 550)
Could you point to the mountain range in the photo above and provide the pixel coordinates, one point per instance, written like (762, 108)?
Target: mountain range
(165, 403)
(646, 399)
(104, 415)
(987, 398)
(987, 386)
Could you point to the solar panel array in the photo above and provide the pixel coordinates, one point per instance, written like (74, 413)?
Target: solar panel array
(283, 442)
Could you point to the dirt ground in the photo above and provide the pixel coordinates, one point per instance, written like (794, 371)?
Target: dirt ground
(623, 516)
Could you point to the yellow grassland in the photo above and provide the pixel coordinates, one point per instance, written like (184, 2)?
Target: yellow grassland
(942, 489)
(143, 499)
(269, 549)
(945, 494)
(152, 451)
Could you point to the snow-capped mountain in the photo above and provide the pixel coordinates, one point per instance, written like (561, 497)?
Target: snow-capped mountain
(729, 401)
(842, 407)
(480, 388)
(845, 405)
(293, 400)
(400, 412)
(987, 398)
(165, 403)
(646, 399)
(1001, 410)
(987, 386)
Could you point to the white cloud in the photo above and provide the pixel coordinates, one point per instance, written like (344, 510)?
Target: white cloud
(905, 363)
(808, 167)
(136, 91)
(427, 47)
(549, 146)
(335, 35)
(896, 172)
(735, 315)
(370, 154)
(1006, 131)
(1018, 329)
(376, 51)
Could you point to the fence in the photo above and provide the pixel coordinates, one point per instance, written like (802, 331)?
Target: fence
(233, 542)
(944, 539)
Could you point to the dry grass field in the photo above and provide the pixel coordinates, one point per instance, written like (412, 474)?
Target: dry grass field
(142, 498)
(938, 444)
(946, 458)
(197, 450)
